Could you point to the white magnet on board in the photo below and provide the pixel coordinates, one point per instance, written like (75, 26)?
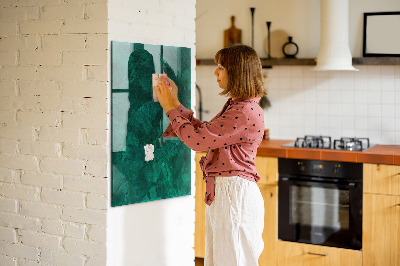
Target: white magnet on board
(148, 152)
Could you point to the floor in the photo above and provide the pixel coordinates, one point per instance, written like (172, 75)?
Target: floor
(199, 262)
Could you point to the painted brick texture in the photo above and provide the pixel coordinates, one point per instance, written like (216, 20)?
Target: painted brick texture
(53, 128)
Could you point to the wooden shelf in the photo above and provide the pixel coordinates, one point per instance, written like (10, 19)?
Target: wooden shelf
(312, 61)
(376, 61)
(288, 62)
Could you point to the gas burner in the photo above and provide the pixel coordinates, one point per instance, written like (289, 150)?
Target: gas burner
(351, 144)
(321, 142)
(324, 142)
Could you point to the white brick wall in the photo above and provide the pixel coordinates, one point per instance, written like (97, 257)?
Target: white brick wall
(53, 156)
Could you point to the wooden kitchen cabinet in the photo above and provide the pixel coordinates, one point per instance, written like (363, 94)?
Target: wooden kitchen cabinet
(298, 254)
(381, 230)
(381, 179)
(200, 207)
(270, 233)
(381, 215)
(267, 168)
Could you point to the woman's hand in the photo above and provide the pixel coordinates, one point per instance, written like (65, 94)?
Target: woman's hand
(164, 96)
(174, 93)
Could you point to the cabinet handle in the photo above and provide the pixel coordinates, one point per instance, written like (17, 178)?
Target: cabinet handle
(318, 254)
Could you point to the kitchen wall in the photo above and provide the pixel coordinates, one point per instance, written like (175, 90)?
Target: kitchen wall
(158, 232)
(53, 121)
(339, 104)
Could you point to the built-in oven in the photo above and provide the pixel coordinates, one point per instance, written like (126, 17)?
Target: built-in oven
(320, 202)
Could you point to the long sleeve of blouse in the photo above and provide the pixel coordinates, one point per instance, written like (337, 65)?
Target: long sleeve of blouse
(223, 131)
(186, 113)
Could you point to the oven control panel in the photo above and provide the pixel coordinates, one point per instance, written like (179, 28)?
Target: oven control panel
(330, 169)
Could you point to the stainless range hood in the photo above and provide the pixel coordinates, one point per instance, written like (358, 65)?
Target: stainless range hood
(334, 51)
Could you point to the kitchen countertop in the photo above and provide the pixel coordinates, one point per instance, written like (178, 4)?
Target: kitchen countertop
(379, 154)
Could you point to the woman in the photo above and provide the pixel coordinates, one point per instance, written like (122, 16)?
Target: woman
(235, 207)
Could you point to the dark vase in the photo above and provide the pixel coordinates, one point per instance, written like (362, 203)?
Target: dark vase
(290, 49)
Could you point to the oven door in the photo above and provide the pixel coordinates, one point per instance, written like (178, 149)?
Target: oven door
(321, 212)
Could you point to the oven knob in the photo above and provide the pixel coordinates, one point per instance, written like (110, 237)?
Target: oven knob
(302, 167)
(336, 169)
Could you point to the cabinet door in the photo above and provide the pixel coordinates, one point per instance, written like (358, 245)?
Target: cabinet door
(381, 179)
(267, 168)
(200, 207)
(297, 254)
(270, 233)
(381, 230)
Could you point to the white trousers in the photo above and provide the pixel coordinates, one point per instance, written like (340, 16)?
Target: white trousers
(234, 223)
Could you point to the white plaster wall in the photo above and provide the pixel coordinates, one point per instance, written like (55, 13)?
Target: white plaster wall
(338, 104)
(158, 232)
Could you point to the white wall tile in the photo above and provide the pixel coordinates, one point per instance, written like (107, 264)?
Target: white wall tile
(360, 97)
(375, 136)
(374, 97)
(374, 110)
(397, 93)
(284, 83)
(397, 122)
(347, 122)
(374, 83)
(322, 95)
(361, 110)
(387, 71)
(388, 84)
(389, 136)
(397, 110)
(297, 83)
(348, 95)
(335, 95)
(339, 104)
(388, 110)
(397, 72)
(388, 124)
(388, 97)
(297, 72)
(310, 109)
(361, 123)
(322, 121)
(348, 132)
(310, 95)
(347, 109)
(374, 123)
(322, 109)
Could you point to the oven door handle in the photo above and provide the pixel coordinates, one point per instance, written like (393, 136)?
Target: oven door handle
(329, 184)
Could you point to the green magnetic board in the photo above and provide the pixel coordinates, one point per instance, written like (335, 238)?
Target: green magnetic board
(146, 167)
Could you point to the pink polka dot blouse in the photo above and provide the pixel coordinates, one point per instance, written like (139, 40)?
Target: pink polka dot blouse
(231, 139)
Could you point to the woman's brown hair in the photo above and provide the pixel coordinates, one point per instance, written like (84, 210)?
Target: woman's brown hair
(245, 78)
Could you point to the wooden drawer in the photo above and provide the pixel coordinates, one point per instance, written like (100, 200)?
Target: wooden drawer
(297, 254)
(381, 179)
